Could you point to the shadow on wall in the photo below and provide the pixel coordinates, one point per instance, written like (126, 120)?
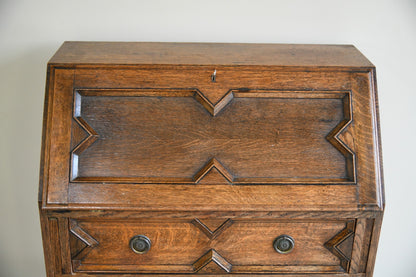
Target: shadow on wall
(21, 109)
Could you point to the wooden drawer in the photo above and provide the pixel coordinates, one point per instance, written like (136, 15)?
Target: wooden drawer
(212, 246)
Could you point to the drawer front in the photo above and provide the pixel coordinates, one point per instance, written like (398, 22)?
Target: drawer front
(212, 246)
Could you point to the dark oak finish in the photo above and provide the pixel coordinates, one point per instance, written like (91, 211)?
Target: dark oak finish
(178, 246)
(80, 53)
(164, 129)
(140, 141)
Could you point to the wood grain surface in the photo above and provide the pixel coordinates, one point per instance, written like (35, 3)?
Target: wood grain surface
(180, 243)
(209, 53)
(211, 151)
(167, 137)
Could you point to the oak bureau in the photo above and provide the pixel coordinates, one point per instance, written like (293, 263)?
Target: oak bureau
(210, 159)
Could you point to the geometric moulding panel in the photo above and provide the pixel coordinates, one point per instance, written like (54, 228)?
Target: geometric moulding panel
(206, 226)
(208, 246)
(212, 257)
(177, 136)
(341, 244)
(81, 243)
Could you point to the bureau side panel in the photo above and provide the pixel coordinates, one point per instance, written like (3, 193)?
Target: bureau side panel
(366, 137)
(374, 245)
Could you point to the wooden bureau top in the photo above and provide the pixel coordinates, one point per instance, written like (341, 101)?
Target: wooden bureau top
(149, 53)
(211, 127)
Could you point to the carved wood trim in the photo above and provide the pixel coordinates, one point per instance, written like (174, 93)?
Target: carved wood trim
(87, 142)
(214, 109)
(213, 163)
(212, 234)
(333, 245)
(334, 137)
(212, 256)
(83, 236)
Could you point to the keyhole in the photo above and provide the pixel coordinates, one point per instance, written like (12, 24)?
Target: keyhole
(214, 76)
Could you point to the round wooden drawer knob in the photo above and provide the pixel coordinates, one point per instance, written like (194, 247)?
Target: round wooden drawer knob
(284, 244)
(140, 244)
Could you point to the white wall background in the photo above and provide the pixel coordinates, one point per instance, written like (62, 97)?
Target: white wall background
(31, 31)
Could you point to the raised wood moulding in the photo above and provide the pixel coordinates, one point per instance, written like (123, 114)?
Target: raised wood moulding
(240, 246)
(232, 132)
